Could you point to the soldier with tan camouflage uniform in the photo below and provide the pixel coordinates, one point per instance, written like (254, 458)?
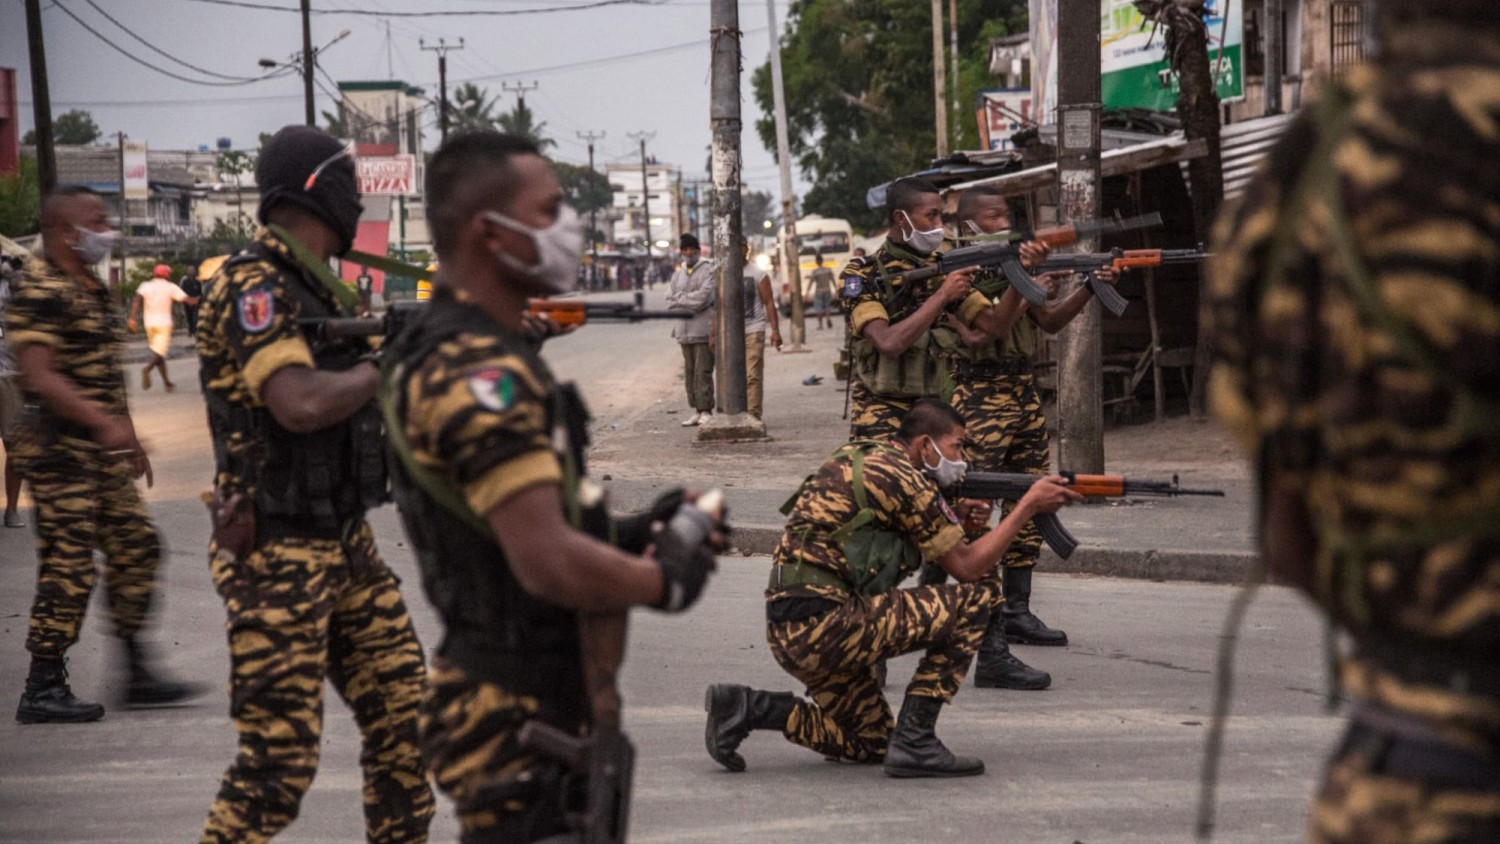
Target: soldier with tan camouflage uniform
(857, 527)
(300, 459)
(81, 455)
(1357, 316)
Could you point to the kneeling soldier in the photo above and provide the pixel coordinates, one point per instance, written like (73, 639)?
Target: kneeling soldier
(858, 526)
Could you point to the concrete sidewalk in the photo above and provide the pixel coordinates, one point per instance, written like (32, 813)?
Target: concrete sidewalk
(640, 452)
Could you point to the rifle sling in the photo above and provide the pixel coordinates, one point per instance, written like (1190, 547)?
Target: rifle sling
(348, 300)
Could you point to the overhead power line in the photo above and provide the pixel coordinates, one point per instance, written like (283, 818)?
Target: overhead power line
(142, 62)
(375, 13)
(159, 51)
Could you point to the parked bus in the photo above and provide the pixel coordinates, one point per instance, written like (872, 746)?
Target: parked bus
(832, 238)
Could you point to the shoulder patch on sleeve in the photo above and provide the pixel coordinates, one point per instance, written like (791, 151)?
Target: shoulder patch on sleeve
(493, 388)
(256, 307)
(853, 286)
(947, 511)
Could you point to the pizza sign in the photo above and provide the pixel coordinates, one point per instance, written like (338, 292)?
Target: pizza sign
(387, 175)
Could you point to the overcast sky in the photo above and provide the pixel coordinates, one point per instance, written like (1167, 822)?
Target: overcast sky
(616, 69)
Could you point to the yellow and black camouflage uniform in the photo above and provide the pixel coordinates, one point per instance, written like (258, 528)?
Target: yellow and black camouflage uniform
(302, 605)
(479, 411)
(830, 638)
(869, 291)
(85, 500)
(994, 390)
(1357, 322)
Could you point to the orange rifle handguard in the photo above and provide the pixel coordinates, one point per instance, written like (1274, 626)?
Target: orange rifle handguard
(1102, 486)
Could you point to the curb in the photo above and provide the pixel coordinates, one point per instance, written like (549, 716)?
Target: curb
(1139, 564)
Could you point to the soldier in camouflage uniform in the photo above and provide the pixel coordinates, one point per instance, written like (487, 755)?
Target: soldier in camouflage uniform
(81, 455)
(300, 459)
(995, 391)
(859, 525)
(511, 537)
(1357, 320)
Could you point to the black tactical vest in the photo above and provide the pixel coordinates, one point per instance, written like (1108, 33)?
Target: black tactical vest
(313, 485)
(495, 630)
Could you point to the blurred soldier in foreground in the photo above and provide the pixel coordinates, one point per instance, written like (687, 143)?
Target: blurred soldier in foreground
(1357, 314)
(300, 459)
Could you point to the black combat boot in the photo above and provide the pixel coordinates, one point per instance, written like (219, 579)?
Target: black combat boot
(48, 700)
(997, 668)
(146, 688)
(1021, 627)
(916, 751)
(733, 711)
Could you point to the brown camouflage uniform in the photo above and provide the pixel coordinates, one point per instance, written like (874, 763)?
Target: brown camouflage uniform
(865, 295)
(478, 413)
(85, 501)
(1004, 429)
(1360, 364)
(834, 645)
(301, 609)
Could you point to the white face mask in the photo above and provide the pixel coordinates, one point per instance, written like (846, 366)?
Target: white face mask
(922, 241)
(559, 247)
(947, 472)
(93, 246)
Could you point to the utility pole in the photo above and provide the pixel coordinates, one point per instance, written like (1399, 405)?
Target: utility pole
(124, 218)
(953, 66)
(520, 89)
(1275, 47)
(643, 137)
(307, 64)
(41, 100)
(1080, 423)
(941, 111)
(791, 271)
(729, 235)
(677, 208)
(442, 48)
(589, 138)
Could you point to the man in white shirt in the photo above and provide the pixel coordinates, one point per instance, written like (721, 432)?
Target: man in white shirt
(11, 401)
(158, 296)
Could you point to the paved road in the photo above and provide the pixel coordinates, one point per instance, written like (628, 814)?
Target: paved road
(1110, 754)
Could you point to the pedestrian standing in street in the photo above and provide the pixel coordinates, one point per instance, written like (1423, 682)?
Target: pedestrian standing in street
(822, 287)
(858, 526)
(156, 297)
(760, 314)
(81, 457)
(193, 287)
(692, 290)
(508, 529)
(300, 459)
(11, 402)
(995, 392)
(1356, 323)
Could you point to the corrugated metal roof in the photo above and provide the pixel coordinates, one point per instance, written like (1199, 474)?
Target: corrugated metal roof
(1242, 146)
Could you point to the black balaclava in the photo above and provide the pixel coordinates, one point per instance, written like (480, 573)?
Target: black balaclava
(286, 164)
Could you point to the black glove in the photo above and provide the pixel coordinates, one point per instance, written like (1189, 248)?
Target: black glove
(633, 532)
(685, 558)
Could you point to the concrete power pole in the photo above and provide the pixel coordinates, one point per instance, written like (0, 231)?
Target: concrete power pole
(938, 94)
(442, 48)
(643, 137)
(41, 100)
(953, 66)
(590, 137)
(1275, 47)
(729, 237)
(307, 67)
(1080, 413)
(791, 270)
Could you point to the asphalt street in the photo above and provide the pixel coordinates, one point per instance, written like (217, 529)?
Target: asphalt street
(1110, 754)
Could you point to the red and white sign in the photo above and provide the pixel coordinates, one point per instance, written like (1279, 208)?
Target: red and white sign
(387, 175)
(1004, 112)
(133, 163)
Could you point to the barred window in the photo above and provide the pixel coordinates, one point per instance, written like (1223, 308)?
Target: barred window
(1347, 19)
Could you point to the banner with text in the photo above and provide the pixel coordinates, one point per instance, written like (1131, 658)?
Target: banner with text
(133, 164)
(387, 175)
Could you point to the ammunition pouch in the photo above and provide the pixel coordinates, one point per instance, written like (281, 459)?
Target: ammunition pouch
(916, 373)
(966, 370)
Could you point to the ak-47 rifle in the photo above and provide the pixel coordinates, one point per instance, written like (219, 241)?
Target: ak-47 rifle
(1120, 259)
(564, 312)
(606, 755)
(1005, 252)
(1012, 485)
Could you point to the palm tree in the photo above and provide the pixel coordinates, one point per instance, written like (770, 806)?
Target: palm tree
(471, 107)
(520, 121)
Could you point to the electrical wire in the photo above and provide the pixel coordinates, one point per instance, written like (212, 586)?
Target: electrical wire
(159, 51)
(597, 4)
(601, 60)
(142, 62)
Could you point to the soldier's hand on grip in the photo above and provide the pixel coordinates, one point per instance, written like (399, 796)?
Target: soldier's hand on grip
(957, 284)
(684, 550)
(633, 532)
(1050, 494)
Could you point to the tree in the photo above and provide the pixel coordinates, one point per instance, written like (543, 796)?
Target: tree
(235, 164)
(1186, 41)
(471, 107)
(20, 200)
(586, 190)
(858, 77)
(756, 207)
(522, 121)
(335, 124)
(76, 127)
